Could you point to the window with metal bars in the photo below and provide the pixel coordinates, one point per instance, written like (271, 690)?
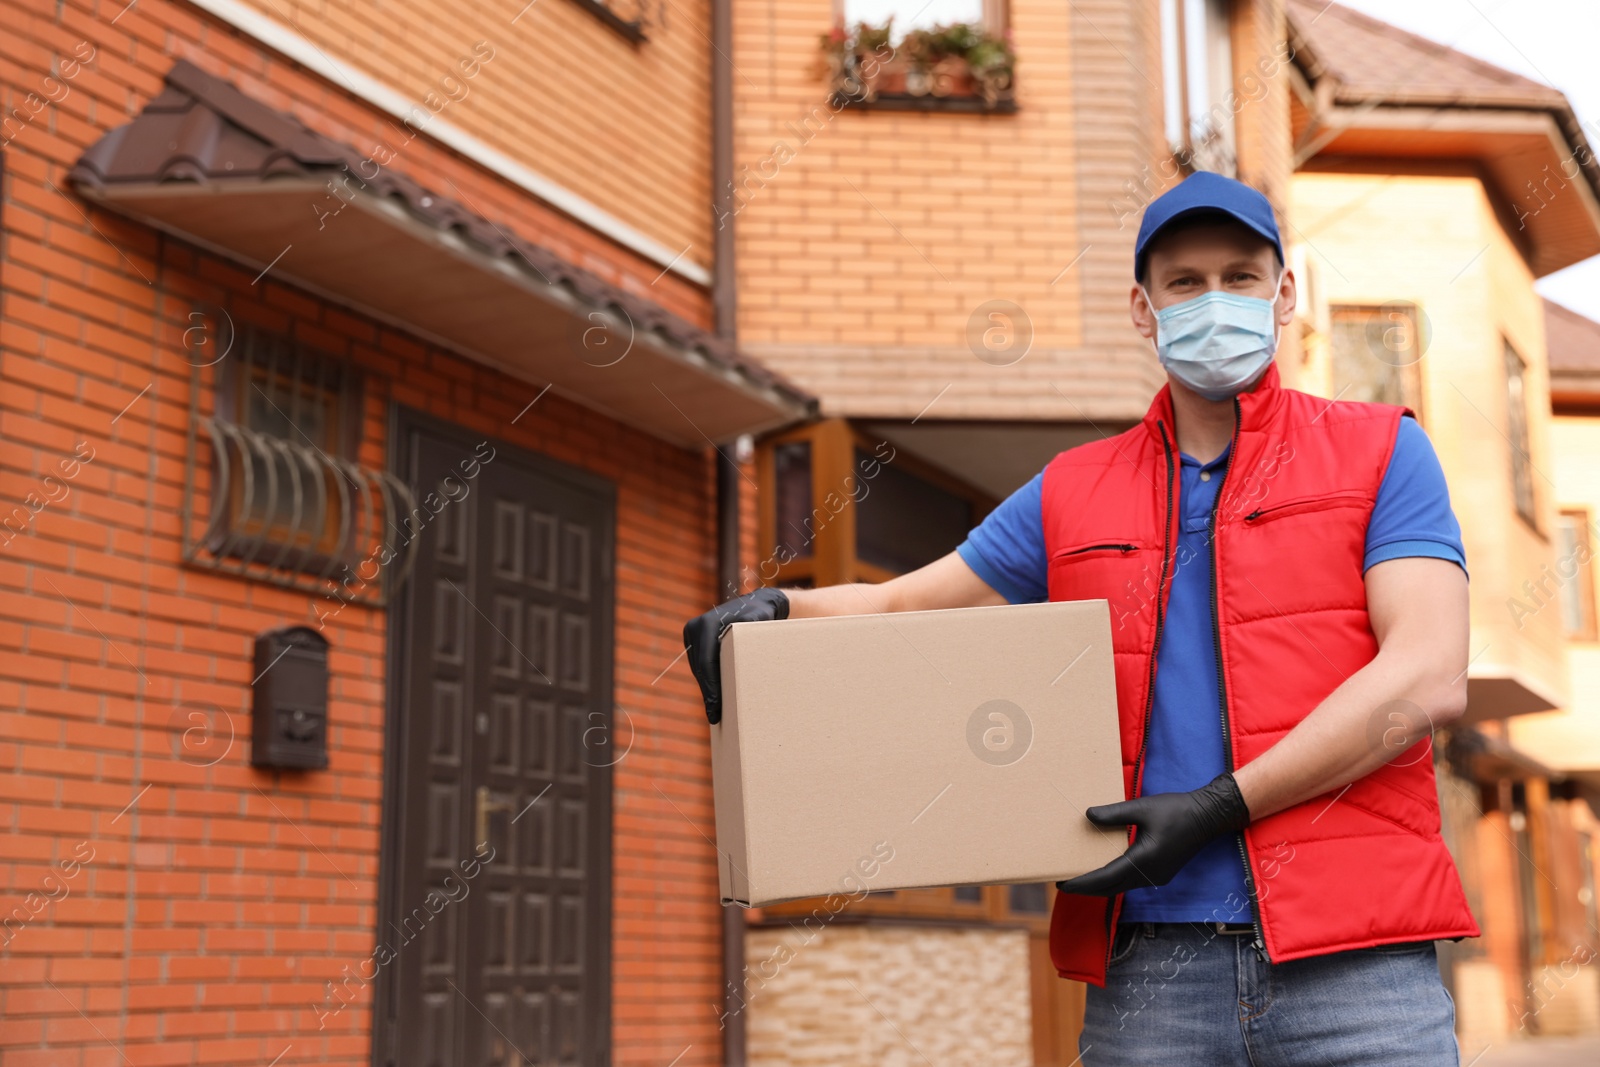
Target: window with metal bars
(274, 490)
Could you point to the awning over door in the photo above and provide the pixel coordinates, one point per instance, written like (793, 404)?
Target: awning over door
(208, 164)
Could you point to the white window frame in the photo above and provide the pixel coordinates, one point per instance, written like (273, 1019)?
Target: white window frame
(993, 16)
(1197, 77)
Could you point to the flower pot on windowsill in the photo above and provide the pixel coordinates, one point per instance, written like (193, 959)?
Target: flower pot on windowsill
(892, 82)
(950, 77)
(950, 90)
(930, 70)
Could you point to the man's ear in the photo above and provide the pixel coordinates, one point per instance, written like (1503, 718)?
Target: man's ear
(1143, 316)
(1288, 298)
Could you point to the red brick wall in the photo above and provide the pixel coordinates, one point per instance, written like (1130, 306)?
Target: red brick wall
(199, 924)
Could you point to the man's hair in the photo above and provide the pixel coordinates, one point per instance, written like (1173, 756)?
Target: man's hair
(1189, 222)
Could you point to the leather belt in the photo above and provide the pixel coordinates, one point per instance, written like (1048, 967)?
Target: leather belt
(1215, 927)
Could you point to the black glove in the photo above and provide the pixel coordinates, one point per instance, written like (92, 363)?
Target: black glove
(702, 636)
(1172, 828)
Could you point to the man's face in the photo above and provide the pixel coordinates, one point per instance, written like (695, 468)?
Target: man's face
(1203, 256)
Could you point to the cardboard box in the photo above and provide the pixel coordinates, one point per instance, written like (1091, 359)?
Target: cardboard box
(929, 748)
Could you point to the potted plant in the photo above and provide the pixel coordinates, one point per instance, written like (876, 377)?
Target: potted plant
(955, 60)
(854, 60)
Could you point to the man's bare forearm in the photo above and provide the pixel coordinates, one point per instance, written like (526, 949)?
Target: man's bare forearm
(855, 598)
(1416, 683)
(945, 583)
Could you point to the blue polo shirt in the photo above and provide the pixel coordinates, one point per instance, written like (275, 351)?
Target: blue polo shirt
(1411, 517)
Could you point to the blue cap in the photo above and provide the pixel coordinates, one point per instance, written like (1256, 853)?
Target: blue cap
(1202, 193)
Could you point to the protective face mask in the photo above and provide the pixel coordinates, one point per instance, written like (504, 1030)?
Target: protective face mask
(1217, 343)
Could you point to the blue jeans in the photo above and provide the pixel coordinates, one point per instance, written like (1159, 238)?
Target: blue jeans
(1191, 995)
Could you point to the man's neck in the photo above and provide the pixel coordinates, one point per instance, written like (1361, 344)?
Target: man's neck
(1204, 427)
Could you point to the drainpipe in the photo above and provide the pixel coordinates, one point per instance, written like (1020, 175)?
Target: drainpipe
(724, 309)
(724, 298)
(733, 926)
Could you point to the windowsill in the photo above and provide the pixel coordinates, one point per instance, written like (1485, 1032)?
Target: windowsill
(954, 105)
(633, 31)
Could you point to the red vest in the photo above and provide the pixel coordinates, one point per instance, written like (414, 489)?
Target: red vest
(1352, 868)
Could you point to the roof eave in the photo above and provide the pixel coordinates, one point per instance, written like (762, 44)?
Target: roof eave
(209, 164)
(520, 324)
(1556, 238)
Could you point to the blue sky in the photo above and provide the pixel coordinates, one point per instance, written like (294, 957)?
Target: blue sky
(1550, 40)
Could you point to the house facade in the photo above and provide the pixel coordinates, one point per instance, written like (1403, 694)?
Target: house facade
(1567, 740)
(353, 438)
(380, 390)
(1421, 203)
(948, 272)
(889, 261)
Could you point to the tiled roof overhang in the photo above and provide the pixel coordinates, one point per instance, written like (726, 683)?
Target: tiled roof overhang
(1573, 341)
(1379, 92)
(208, 164)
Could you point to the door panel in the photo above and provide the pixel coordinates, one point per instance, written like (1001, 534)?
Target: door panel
(498, 818)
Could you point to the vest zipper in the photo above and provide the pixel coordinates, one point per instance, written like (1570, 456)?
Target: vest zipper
(1260, 943)
(1150, 681)
(1096, 548)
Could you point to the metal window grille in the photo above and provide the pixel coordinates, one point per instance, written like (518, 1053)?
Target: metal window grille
(272, 488)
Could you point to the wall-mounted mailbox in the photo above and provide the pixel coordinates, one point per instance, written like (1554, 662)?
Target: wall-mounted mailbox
(289, 721)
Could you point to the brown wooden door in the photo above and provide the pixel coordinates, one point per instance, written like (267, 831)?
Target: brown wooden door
(497, 894)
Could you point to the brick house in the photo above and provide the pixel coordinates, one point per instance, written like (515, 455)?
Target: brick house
(411, 339)
(950, 278)
(321, 352)
(949, 275)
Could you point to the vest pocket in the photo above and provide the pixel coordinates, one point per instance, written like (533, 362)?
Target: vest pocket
(1102, 549)
(1123, 572)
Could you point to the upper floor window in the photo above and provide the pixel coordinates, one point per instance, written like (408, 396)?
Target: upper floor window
(1197, 78)
(920, 15)
(921, 55)
(1376, 349)
(1575, 571)
(1517, 434)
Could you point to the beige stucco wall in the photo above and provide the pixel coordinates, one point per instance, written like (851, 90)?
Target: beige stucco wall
(1569, 739)
(1434, 240)
(888, 996)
